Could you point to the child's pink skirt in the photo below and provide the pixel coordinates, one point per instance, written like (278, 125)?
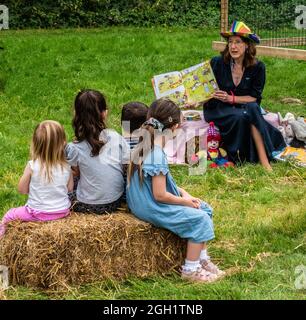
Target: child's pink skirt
(27, 214)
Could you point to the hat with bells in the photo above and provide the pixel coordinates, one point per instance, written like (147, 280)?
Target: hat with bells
(212, 133)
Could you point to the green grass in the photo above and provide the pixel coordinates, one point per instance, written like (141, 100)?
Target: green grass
(260, 218)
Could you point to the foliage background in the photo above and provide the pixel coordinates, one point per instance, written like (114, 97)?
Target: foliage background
(144, 13)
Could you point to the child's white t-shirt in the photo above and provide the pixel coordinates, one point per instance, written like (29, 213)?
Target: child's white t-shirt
(49, 196)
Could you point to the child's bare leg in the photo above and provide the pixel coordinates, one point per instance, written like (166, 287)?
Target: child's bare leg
(203, 253)
(193, 251)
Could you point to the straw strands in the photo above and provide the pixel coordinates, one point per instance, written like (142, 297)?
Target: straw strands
(87, 248)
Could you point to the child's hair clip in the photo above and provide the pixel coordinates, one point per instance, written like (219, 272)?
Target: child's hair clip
(155, 124)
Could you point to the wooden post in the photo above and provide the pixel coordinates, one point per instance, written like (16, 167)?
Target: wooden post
(224, 15)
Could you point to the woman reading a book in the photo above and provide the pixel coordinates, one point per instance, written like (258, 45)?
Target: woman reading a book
(235, 108)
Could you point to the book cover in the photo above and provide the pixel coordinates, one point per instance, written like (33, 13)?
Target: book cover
(189, 87)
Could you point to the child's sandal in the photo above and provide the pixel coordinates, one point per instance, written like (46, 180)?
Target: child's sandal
(211, 267)
(200, 275)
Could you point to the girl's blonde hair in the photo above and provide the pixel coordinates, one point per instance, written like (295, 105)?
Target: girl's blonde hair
(48, 146)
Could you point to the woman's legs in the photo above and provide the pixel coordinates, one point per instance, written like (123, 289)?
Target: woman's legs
(261, 151)
(242, 141)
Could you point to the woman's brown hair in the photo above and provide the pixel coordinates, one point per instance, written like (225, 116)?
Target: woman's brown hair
(249, 56)
(168, 114)
(88, 122)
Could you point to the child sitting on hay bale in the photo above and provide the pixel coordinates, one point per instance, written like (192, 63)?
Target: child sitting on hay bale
(153, 196)
(47, 178)
(97, 154)
(133, 115)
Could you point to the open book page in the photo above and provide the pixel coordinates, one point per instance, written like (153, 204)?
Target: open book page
(191, 86)
(178, 95)
(170, 85)
(163, 83)
(199, 82)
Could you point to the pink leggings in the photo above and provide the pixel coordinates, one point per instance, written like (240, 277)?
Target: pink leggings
(27, 214)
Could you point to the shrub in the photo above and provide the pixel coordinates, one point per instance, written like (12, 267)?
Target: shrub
(95, 13)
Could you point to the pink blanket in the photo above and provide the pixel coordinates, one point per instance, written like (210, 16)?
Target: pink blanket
(176, 148)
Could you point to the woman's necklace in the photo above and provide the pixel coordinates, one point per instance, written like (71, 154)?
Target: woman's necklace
(237, 72)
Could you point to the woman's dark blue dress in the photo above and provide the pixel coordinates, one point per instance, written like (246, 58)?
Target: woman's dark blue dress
(234, 121)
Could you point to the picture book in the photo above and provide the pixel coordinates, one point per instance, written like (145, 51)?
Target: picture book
(188, 87)
(298, 155)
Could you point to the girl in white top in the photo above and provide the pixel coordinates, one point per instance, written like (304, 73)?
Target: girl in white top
(47, 178)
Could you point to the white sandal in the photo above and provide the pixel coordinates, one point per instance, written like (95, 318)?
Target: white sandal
(200, 275)
(211, 267)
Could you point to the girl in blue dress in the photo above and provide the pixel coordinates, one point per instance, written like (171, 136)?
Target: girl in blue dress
(153, 196)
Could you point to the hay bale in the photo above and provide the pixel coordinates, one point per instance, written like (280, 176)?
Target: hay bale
(87, 248)
(2, 295)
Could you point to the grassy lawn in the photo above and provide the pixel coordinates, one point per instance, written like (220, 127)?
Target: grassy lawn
(260, 218)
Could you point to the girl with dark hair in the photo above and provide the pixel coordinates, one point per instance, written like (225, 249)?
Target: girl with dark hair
(98, 154)
(153, 196)
(235, 108)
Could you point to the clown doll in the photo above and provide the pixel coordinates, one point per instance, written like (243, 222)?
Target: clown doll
(216, 157)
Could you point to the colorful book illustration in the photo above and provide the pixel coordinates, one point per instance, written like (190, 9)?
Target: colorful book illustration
(298, 155)
(189, 86)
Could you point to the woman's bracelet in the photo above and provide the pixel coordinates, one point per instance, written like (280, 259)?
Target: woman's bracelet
(233, 97)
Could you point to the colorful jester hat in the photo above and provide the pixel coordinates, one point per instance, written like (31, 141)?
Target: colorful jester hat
(239, 28)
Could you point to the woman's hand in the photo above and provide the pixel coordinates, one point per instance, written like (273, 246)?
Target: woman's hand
(223, 96)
